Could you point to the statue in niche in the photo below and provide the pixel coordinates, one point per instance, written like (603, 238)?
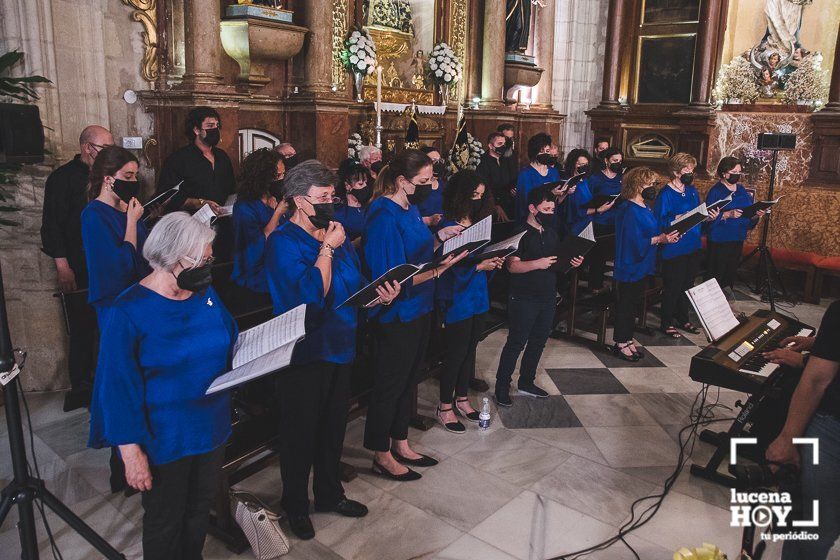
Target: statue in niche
(779, 52)
(393, 14)
(518, 24)
(418, 63)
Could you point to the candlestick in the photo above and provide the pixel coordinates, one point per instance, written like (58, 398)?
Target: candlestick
(379, 107)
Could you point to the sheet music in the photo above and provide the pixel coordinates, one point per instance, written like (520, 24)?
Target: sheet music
(722, 203)
(715, 314)
(227, 209)
(588, 233)
(273, 361)
(477, 232)
(509, 243)
(165, 196)
(268, 336)
(205, 215)
(701, 209)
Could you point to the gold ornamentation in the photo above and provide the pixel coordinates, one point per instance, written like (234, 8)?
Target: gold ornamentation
(401, 95)
(458, 40)
(390, 44)
(146, 14)
(339, 21)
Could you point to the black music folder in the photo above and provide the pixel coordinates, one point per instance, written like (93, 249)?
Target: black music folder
(470, 239)
(574, 246)
(719, 204)
(501, 249)
(160, 200)
(400, 274)
(753, 208)
(600, 199)
(694, 219)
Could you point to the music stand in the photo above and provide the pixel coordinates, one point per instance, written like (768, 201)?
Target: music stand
(766, 269)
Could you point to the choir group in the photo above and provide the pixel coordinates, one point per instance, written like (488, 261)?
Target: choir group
(302, 234)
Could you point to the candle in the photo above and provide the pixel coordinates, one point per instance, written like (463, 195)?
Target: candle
(378, 95)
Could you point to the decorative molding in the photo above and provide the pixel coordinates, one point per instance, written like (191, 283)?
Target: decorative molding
(339, 22)
(458, 40)
(146, 13)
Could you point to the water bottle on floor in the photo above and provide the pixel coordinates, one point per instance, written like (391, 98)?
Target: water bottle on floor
(484, 415)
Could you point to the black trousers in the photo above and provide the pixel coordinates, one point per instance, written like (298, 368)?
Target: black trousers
(530, 320)
(313, 417)
(628, 297)
(723, 259)
(83, 337)
(678, 275)
(597, 258)
(176, 511)
(401, 348)
(460, 343)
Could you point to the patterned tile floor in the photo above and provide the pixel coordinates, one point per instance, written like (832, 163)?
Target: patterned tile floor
(551, 476)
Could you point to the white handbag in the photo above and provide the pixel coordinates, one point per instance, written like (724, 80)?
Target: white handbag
(260, 525)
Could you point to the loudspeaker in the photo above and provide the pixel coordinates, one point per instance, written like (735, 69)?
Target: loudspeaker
(776, 141)
(21, 134)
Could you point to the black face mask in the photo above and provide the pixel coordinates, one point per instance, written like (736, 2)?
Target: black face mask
(616, 167)
(475, 207)
(546, 159)
(275, 189)
(582, 169)
(421, 193)
(126, 190)
(362, 195)
(290, 161)
(500, 150)
(734, 178)
(324, 214)
(377, 166)
(439, 168)
(649, 193)
(508, 143)
(544, 218)
(195, 279)
(211, 136)
(687, 178)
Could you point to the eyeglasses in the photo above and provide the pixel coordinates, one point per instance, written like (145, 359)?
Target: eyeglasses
(325, 199)
(203, 262)
(99, 147)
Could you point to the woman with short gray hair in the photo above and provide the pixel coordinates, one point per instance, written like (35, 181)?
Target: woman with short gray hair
(168, 337)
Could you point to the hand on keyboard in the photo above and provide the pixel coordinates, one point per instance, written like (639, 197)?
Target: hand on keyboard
(785, 356)
(798, 343)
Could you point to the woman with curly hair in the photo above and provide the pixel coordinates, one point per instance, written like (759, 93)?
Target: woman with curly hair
(258, 211)
(463, 298)
(355, 189)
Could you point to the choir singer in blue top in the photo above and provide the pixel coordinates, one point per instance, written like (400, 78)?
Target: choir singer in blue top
(113, 232)
(167, 338)
(637, 236)
(726, 234)
(395, 235)
(309, 260)
(355, 189)
(258, 210)
(539, 171)
(605, 181)
(681, 260)
(463, 299)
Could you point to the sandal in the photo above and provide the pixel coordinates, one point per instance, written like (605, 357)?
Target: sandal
(636, 351)
(690, 328)
(671, 332)
(454, 427)
(617, 350)
(471, 416)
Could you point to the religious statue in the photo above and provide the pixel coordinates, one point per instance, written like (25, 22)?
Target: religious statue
(394, 14)
(418, 63)
(517, 25)
(779, 52)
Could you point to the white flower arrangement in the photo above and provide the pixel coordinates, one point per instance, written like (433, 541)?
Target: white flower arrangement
(359, 54)
(465, 156)
(808, 83)
(736, 81)
(354, 144)
(443, 66)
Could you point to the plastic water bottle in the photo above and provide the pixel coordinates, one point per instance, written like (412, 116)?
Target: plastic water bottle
(484, 415)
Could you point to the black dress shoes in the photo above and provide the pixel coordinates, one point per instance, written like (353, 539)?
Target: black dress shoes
(302, 527)
(347, 508)
(404, 477)
(423, 461)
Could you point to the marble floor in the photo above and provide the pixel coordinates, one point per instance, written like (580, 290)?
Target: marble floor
(548, 478)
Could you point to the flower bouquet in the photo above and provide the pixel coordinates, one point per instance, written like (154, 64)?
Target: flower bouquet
(359, 57)
(444, 68)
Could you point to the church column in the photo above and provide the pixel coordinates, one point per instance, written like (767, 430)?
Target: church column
(202, 43)
(617, 20)
(493, 54)
(834, 88)
(318, 62)
(545, 54)
(705, 54)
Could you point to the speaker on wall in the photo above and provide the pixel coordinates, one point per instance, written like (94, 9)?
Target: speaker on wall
(776, 141)
(21, 134)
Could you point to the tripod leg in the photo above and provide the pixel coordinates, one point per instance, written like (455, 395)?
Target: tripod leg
(5, 508)
(82, 528)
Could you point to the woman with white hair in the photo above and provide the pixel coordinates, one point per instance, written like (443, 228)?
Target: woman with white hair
(168, 337)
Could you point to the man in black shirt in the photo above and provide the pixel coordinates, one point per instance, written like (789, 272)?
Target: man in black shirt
(65, 196)
(206, 171)
(498, 175)
(531, 298)
(815, 413)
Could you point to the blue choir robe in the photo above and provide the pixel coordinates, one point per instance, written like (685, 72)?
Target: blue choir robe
(249, 220)
(635, 257)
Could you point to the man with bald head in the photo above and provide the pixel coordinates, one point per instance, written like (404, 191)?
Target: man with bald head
(65, 196)
(290, 157)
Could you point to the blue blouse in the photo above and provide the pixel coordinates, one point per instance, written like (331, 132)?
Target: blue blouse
(113, 264)
(352, 219)
(434, 203)
(669, 204)
(293, 280)
(462, 290)
(576, 211)
(249, 220)
(733, 229)
(601, 184)
(635, 257)
(395, 236)
(157, 357)
(529, 178)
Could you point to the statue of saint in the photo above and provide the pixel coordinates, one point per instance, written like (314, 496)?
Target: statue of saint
(779, 52)
(517, 25)
(784, 20)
